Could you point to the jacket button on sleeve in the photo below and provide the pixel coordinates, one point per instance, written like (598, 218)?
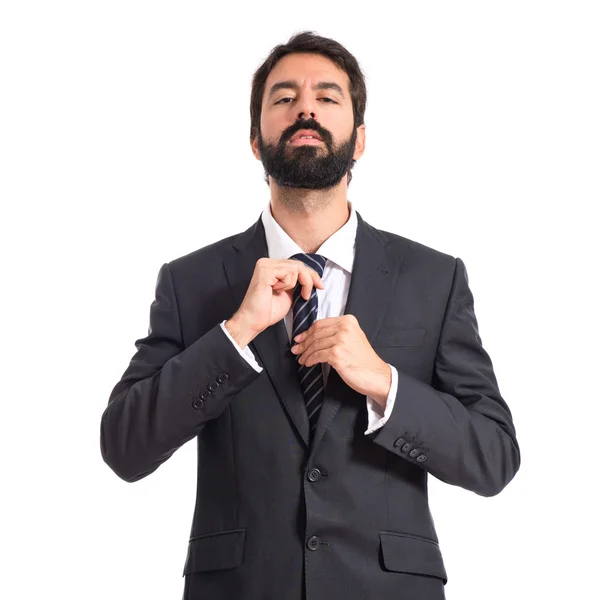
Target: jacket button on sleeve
(198, 402)
(399, 442)
(421, 458)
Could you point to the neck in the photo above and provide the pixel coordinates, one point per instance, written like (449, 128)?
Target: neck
(309, 217)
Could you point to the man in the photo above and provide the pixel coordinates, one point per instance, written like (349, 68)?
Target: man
(325, 367)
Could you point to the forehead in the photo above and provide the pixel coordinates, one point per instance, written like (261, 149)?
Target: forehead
(303, 66)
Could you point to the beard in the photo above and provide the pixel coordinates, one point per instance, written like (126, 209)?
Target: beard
(308, 166)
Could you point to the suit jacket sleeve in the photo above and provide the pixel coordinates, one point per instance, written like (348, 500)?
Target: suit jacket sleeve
(460, 429)
(168, 392)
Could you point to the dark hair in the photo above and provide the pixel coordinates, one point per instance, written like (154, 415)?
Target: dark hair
(309, 42)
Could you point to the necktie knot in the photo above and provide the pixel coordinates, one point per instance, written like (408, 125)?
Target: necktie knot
(314, 261)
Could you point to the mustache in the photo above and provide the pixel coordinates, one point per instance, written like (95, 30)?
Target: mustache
(307, 124)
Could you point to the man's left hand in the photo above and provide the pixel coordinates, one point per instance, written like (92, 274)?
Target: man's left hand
(341, 342)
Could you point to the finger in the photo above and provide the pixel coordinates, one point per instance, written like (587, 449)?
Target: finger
(309, 278)
(314, 348)
(310, 335)
(306, 281)
(287, 281)
(286, 277)
(283, 278)
(289, 273)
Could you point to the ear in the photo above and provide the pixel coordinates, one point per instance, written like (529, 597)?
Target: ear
(254, 147)
(359, 147)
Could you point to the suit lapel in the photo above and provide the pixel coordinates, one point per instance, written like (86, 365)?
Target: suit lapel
(374, 274)
(271, 346)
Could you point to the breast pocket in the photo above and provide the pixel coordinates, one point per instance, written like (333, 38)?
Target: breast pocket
(396, 337)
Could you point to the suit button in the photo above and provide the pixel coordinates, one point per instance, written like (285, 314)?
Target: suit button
(413, 453)
(406, 447)
(313, 543)
(399, 442)
(421, 458)
(314, 475)
(212, 386)
(203, 395)
(221, 377)
(197, 403)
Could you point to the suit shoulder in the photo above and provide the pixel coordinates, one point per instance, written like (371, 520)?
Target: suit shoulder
(208, 256)
(418, 251)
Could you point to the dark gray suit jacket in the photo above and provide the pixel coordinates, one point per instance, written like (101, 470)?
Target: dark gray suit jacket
(347, 517)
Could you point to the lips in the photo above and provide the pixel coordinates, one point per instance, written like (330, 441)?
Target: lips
(298, 136)
(305, 142)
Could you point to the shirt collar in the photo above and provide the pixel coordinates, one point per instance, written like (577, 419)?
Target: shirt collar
(338, 248)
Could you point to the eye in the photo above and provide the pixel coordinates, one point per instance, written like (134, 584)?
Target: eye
(329, 100)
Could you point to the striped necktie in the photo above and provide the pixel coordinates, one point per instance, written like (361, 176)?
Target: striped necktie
(305, 314)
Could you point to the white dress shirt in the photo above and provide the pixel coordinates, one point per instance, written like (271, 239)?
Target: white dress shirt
(339, 250)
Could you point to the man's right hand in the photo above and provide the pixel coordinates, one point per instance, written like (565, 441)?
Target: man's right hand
(270, 296)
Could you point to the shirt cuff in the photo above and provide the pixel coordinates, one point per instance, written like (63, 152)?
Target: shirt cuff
(377, 416)
(245, 353)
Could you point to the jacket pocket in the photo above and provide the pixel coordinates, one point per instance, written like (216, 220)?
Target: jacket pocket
(214, 551)
(410, 554)
(393, 336)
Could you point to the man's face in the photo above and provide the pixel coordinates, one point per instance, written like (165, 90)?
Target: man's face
(299, 105)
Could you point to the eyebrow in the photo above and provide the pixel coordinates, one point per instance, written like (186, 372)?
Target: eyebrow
(322, 85)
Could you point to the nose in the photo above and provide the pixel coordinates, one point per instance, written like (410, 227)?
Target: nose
(305, 106)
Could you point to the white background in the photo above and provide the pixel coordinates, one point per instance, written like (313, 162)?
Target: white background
(124, 144)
